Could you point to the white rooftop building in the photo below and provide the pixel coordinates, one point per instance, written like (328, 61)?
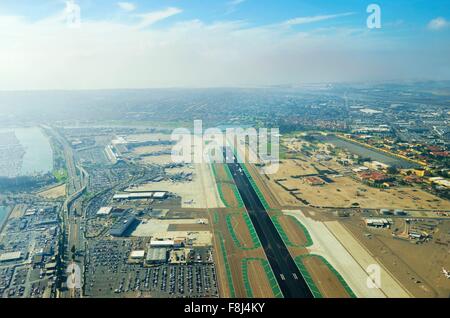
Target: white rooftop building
(103, 211)
(11, 256)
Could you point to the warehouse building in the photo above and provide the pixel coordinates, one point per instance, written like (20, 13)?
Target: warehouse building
(160, 195)
(378, 223)
(156, 255)
(104, 211)
(175, 243)
(10, 257)
(123, 225)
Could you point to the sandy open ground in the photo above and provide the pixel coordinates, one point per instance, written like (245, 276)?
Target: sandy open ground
(150, 149)
(296, 167)
(201, 192)
(18, 211)
(258, 280)
(148, 137)
(150, 227)
(54, 193)
(345, 191)
(184, 169)
(348, 257)
(156, 160)
(327, 282)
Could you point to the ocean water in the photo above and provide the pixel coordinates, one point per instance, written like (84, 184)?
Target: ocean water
(3, 213)
(38, 157)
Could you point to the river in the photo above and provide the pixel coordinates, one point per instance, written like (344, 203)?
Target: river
(3, 214)
(368, 152)
(25, 152)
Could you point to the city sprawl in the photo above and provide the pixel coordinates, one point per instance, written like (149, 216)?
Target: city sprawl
(92, 203)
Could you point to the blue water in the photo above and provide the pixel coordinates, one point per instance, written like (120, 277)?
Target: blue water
(3, 213)
(38, 156)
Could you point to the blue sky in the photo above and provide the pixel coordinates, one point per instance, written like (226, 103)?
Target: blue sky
(257, 12)
(155, 43)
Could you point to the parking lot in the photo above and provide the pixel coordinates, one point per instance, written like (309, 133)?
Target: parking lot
(109, 274)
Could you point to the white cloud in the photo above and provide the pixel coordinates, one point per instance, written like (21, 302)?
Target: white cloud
(156, 16)
(235, 2)
(317, 18)
(438, 23)
(232, 5)
(110, 54)
(127, 6)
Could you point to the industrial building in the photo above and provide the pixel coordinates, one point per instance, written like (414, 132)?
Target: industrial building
(104, 211)
(379, 223)
(400, 212)
(121, 227)
(10, 257)
(137, 256)
(167, 243)
(159, 195)
(156, 255)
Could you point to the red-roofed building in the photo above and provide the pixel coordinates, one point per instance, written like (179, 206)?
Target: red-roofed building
(315, 181)
(374, 176)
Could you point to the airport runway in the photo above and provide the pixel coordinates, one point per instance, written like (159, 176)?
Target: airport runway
(290, 280)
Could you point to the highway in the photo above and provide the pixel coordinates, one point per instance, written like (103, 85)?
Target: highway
(290, 280)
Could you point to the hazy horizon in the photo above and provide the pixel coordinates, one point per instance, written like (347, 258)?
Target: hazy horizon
(173, 44)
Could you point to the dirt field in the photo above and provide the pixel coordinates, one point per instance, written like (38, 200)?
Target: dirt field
(418, 267)
(229, 195)
(296, 167)
(229, 255)
(157, 160)
(150, 149)
(54, 193)
(241, 230)
(148, 137)
(293, 231)
(324, 278)
(345, 191)
(18, 211)
(258, 280)
(222, 175)
(187, 227)
(176, 170)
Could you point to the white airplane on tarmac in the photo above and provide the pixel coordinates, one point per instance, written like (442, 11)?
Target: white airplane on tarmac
(446, 273)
